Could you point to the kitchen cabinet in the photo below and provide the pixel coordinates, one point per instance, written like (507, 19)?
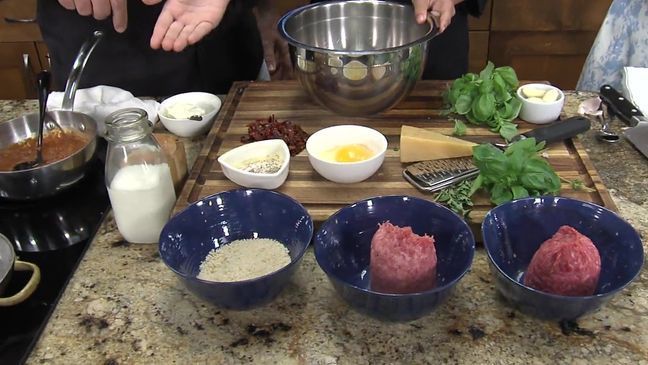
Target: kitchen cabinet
(16, 40)
(43, 55)
(15, 80)
(545, 40)
(478, 38)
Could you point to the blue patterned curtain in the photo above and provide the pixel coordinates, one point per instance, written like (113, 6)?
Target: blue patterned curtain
(621, 41)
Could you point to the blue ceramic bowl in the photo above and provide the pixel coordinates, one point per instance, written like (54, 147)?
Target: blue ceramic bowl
(343, 245)
(222, 218)
(514, 231)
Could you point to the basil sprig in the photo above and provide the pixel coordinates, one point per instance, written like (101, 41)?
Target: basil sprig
(487, 99)
(515, 173)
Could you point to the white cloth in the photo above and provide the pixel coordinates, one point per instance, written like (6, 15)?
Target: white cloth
(635, 86)
(99, 101)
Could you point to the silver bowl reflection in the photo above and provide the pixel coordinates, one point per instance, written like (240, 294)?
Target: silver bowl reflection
(357, 57)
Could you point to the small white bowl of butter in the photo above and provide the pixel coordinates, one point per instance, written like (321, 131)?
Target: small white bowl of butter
(541, 103)
(261, 164)
(189, 114)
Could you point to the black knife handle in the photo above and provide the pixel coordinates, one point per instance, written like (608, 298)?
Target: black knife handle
(621, 106)
(560, 131)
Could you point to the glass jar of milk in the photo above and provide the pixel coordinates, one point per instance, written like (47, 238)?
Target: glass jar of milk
(138, 177)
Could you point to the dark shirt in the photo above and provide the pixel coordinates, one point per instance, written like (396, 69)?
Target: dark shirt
(448, 52)
(230, 52)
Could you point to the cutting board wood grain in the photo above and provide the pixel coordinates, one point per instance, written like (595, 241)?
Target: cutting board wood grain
(248, 101)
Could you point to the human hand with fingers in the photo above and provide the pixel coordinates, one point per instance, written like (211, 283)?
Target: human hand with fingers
(184, 22)
(445, 9)
(275, 49)
(100, 9)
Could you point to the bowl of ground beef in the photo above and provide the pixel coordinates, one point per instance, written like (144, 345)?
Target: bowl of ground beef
(558, 258)
(395, 258)
(239, 248)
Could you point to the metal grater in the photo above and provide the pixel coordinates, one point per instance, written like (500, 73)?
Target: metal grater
(431, 176)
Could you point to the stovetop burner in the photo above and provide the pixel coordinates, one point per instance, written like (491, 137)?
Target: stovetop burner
(52, 233)
(59, 221)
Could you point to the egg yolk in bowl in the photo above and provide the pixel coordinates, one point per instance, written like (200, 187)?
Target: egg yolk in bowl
(348, 153)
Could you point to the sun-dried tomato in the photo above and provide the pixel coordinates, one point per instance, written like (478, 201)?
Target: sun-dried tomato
(271, 128)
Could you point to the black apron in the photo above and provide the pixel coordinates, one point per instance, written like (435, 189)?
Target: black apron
(448, 52)
(230, 52)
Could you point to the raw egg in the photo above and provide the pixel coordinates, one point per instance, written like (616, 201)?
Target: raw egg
(348, 153)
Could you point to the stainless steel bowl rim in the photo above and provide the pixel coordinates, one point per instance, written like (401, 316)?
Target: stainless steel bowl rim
(281, 25)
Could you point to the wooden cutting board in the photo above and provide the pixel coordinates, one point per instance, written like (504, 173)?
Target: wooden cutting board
(248, 101)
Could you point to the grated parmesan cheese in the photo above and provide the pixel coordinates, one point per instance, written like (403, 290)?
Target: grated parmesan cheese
(243, 260)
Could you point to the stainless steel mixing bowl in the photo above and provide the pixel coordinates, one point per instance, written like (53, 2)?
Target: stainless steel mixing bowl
(357, 57)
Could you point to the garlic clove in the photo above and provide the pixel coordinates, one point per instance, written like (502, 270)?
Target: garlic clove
(551, 96)
(532, 92)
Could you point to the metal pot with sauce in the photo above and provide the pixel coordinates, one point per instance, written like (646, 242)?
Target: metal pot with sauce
(64, 169)
(8, 264)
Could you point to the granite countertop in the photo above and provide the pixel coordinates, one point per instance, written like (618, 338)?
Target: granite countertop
(123, 306)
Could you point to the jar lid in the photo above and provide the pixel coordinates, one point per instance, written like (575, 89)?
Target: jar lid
(7, 257)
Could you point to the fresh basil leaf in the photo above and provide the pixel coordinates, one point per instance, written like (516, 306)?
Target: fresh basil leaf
(459, 128)
(525, 146)
(486, 87)
(484, 107)
(509, 76)
(508, 130)
(499, 87)
(516, 162)
(510, 109)
(484, 151)
(472, 89)
(487, 72)
(501, 194)
(494, 167)
(553, 185)
(463, 104)
(471, 117)
(519, 192)
(516, 105)
(476, 185)
(539, 175)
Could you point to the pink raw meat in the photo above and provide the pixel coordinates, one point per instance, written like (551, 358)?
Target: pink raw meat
(402, 261)
(566, 264)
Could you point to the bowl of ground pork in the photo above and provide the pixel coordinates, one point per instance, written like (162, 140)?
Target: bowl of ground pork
(558, 258)
(237, 249)
(395, 258)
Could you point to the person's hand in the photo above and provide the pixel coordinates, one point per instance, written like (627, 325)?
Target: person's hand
(101, 9)
(185, 22)
(275, 50)
(445, 9)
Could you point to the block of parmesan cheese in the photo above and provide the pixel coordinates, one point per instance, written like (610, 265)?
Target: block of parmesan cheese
(417, 144)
